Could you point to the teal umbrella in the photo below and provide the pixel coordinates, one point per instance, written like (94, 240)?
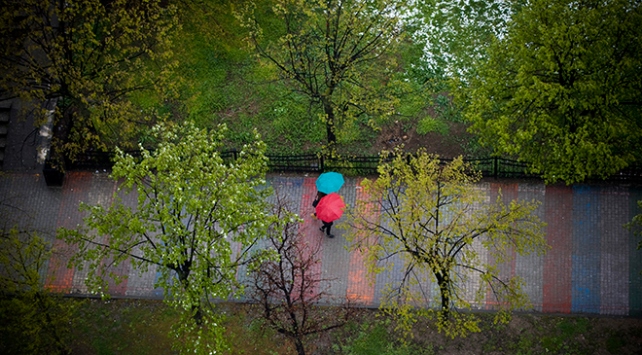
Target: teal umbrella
(329, 182)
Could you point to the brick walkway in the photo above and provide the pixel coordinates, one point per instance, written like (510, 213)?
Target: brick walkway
(593, 266)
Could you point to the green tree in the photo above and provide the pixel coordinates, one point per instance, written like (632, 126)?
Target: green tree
(223, 82)
(434, 219)
(635, 225)
(337, 53)
(454, 36)
(34, 321)
(196, 218)
(456, 33)
(562, 89)
(88, 57)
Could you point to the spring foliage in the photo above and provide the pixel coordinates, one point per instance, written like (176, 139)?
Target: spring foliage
(337, 53)
(562, 90)
(433, 219)
(88, 56)
(636, 225)
(195, 219)
(34, 320)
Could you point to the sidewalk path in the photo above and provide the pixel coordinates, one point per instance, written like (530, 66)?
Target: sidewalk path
(593, 266)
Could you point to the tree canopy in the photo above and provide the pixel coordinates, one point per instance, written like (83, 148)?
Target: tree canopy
(436, 223)
(636, 226)
(456, 33)
(337, 53)
(195, 219)
(34, 320)
(562, 90)
(88, 56)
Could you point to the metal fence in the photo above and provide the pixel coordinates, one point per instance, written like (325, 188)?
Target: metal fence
(353, 165)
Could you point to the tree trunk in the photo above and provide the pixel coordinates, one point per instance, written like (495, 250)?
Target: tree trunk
(183, 278)
(444, 283)
(198, 315)
(61, 129)
(329, 123)
(300, 350)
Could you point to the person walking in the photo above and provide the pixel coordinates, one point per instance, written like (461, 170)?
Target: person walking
(326, 225)
(328, 208)
(328, 184)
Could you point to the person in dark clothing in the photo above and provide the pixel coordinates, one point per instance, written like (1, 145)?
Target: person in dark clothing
(318, 198)
(326, 225)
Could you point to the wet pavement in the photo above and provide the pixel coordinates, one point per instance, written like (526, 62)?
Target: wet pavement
(593, 266)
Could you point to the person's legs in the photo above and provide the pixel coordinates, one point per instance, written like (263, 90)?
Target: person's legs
(327, 227)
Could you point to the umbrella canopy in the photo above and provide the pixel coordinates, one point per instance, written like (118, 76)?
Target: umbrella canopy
(329, 182)
(330, 207)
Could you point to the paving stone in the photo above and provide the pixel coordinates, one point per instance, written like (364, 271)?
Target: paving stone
(592, 266)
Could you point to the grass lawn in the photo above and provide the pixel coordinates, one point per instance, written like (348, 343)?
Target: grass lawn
(143, 327)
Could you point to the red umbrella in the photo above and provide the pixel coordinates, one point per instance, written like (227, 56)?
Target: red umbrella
(330, 207)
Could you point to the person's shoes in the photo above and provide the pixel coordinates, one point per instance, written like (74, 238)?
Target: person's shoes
(330, 235)
(322, 229)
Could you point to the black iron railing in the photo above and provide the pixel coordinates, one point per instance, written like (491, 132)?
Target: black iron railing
(355, 165)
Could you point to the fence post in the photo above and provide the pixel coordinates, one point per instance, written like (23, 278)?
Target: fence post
(496, 167)
(234, 153)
